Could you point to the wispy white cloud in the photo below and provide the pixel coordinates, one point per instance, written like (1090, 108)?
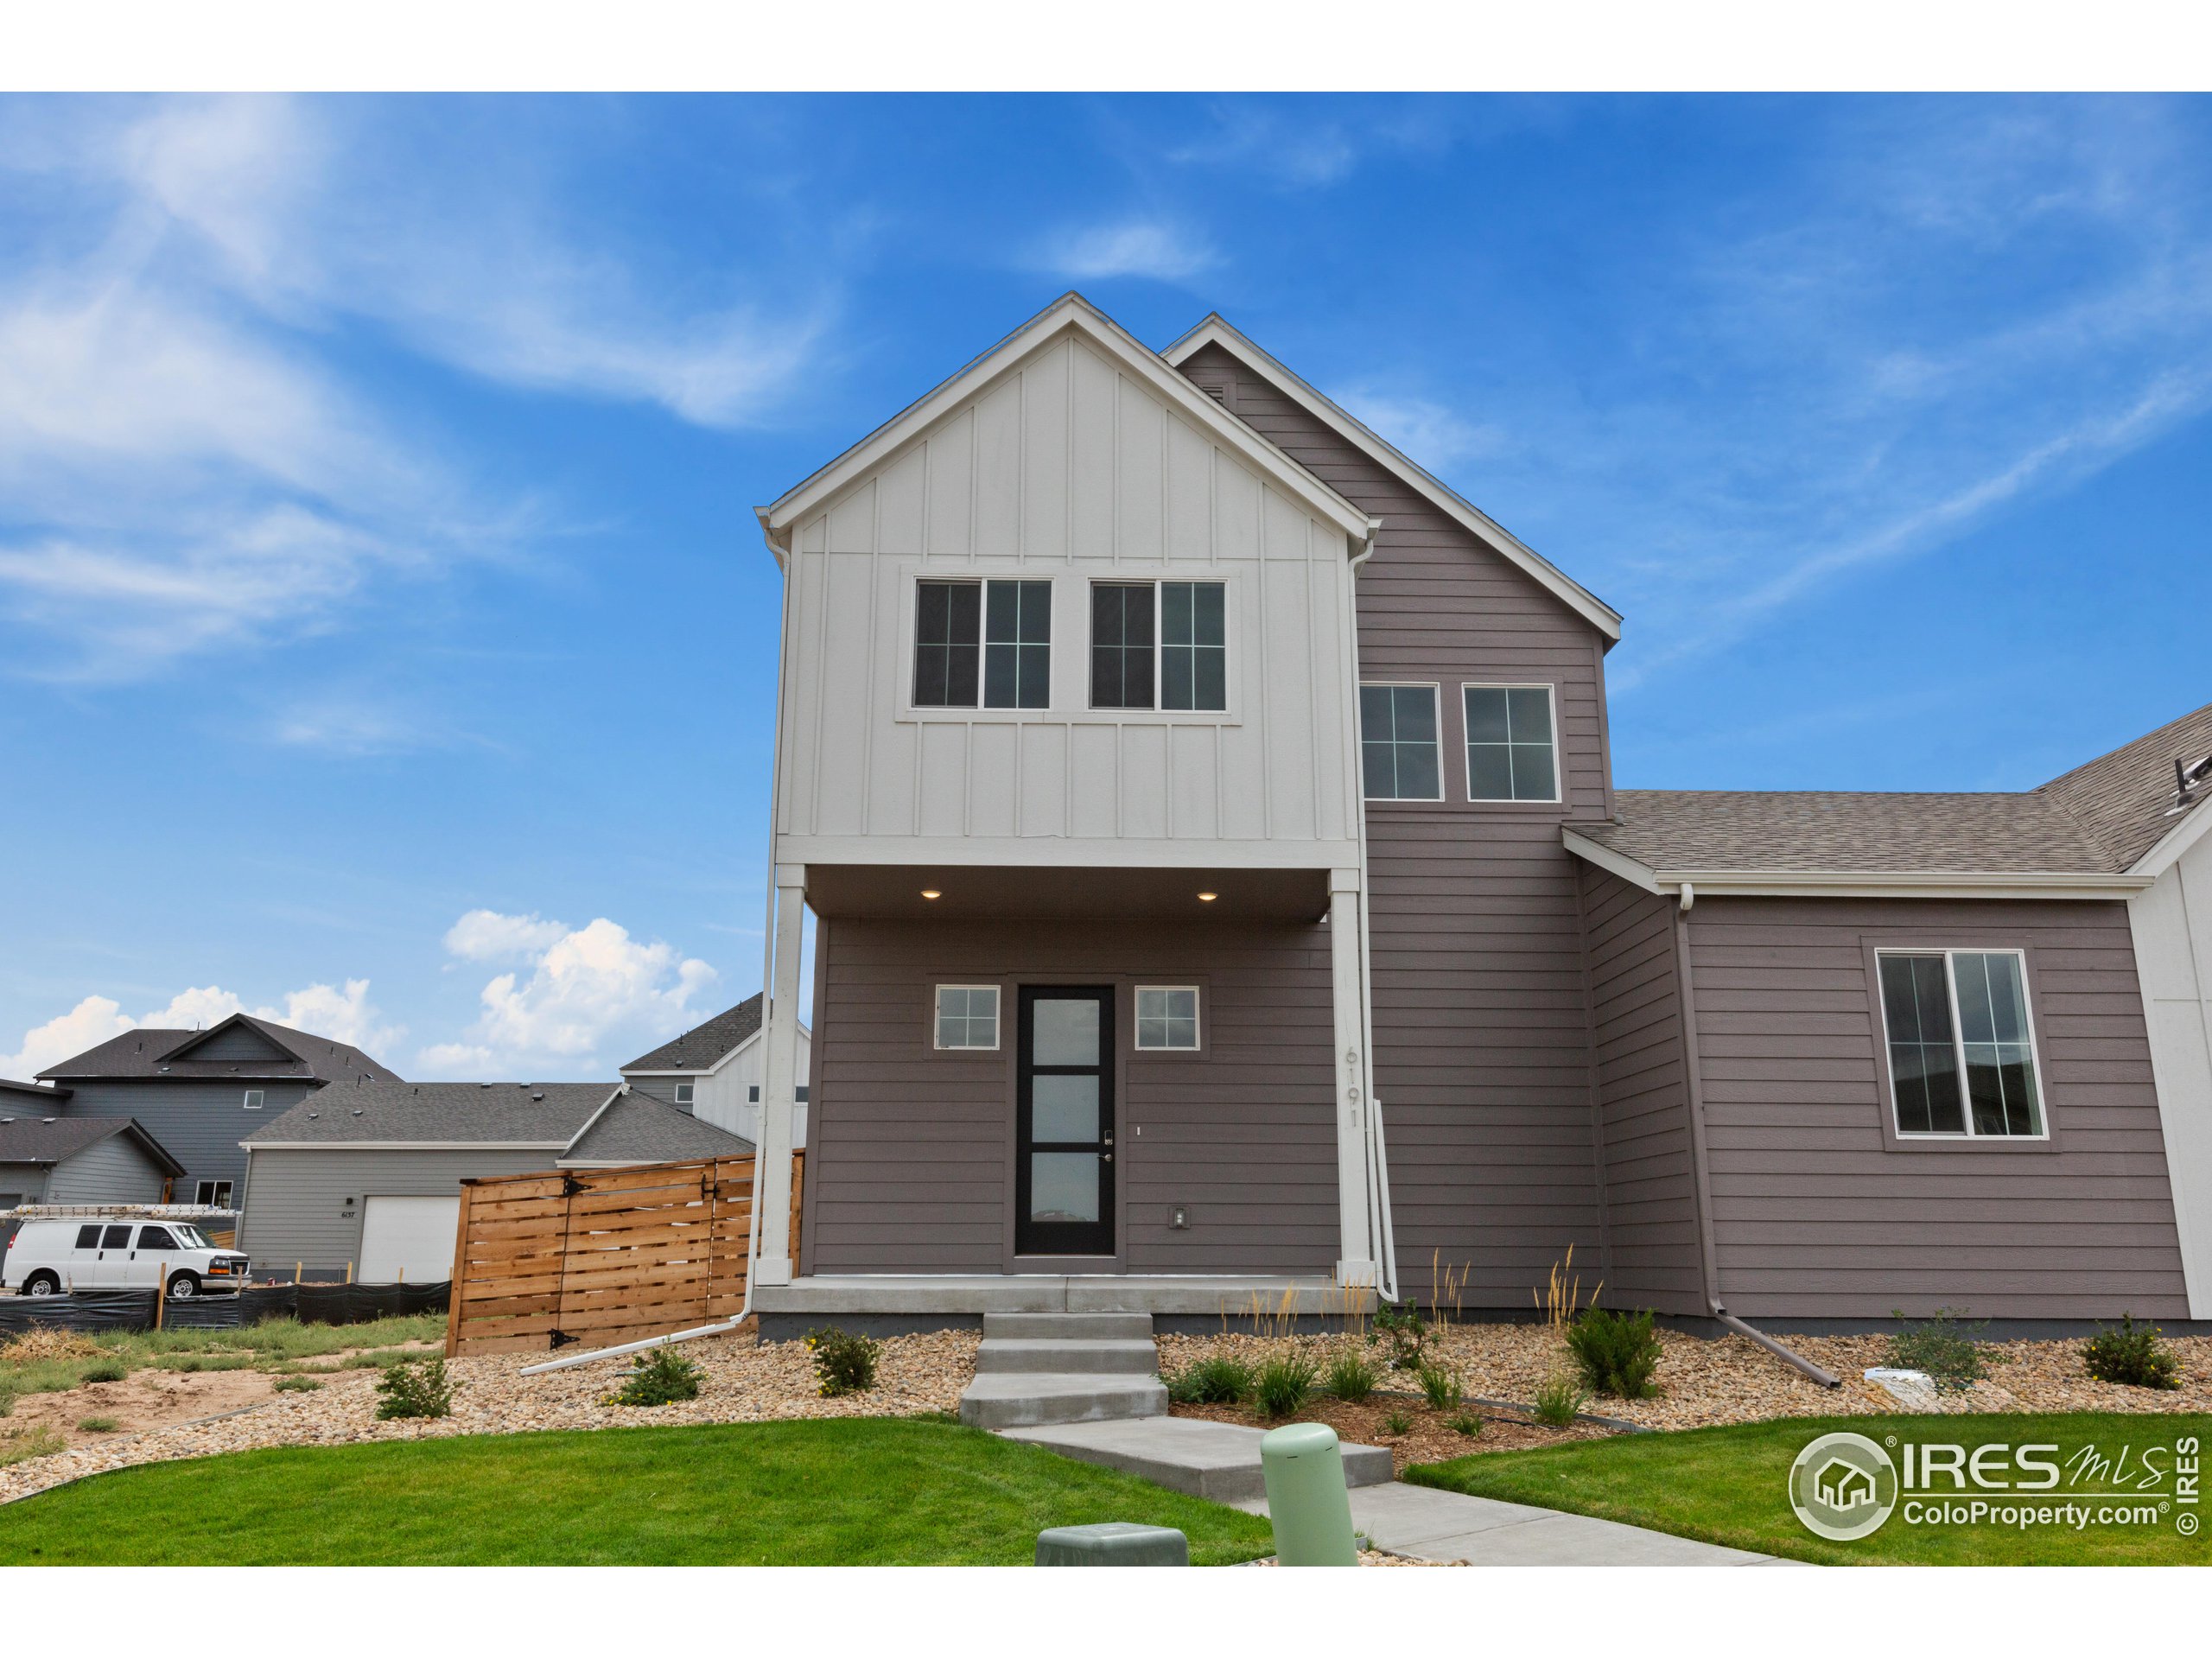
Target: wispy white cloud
(344, 1014)
(1133, 247)
(578, 990)
(1430, 432)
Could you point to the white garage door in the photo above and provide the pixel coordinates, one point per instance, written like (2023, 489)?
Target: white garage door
(409, 1238)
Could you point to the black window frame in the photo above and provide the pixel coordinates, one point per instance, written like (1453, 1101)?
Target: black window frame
(996, 648)
(1174, 671)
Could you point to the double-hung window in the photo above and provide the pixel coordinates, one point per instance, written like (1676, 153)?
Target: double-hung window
(1512, 744)
(1160, 645)
(1962, 1058)
(982, 644)
(1397, 743)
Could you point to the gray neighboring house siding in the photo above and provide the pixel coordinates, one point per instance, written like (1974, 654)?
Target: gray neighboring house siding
(910, 1167)
(115, 1170)
(298, 1202)
(199, 1120)
(1481, 1020)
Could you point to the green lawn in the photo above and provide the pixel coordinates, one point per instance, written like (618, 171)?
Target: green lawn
(874, 1491)
(276, 1344)
(1730, 1486)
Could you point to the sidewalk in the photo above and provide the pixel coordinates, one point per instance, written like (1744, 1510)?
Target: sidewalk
(1433, 1525)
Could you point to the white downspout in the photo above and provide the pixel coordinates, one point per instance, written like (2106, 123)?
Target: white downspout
(767, 970)
(1384, 1249)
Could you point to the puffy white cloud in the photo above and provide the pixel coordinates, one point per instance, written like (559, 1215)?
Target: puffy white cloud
(347, 1015)
(580, 991)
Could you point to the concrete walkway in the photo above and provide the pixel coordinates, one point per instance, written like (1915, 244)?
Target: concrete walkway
(1432, 1525)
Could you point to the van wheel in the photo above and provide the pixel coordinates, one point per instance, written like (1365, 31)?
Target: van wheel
(183, 1287)
(42, 1284)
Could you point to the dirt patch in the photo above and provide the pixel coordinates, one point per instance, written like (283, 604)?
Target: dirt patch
(143, 1401)
(1429, 1437)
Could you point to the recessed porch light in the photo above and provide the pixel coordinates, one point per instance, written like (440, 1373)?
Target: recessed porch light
(932, 892)
(1208, 897)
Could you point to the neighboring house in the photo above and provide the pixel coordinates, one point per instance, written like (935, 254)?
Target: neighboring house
(1185, 782)
(78, 1160)
(713, 1070)
(367, 1176)
(202, 1091)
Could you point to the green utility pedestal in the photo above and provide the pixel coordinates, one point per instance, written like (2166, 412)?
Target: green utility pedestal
(1112, 1543)
(1306, 1498)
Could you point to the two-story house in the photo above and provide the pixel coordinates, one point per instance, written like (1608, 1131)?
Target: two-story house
(1188, 783)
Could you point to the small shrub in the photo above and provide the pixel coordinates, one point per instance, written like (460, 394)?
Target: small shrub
(98, 1424)
(2132, 1354)
(1615, 1353)
(1351, 1378)
(1943, 1347)
(1219, 1380)
(43, 1342)
(299, 1383)
(1285, 1383)
(659, 1376)
(20, 1444)
(843, 1364)
(1397, 1423)
(1560, 1400)
(105, 1371)
(415, 1389)
(1440, 1386)
(1465, 1423)
(1401, 1325)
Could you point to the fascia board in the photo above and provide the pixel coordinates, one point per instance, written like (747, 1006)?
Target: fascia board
(1214, 331)
(1862, 884)
(1606, 859)
(405, 1146)
(1071, 313)
(2173, 844)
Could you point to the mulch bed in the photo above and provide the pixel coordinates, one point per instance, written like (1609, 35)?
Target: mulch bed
(1430, 1439)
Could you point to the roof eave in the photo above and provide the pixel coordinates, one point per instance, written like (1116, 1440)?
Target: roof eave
(1214, 330)
(1856, 884)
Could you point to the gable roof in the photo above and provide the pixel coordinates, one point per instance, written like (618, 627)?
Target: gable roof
(53, 1140)
(636, 1128)
(2124, 801)
(2085, 834)
(23, 1096)
(1216, 330)
(1070, 314)
(706, 1044)
(154, 1051)
(539, 1116)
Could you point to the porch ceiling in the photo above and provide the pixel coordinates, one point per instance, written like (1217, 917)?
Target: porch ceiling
(1024, 891)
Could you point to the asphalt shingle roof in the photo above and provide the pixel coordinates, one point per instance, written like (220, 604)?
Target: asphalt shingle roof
(2099, 818)
(530, 1114)
(35, 1141)
(639, 1129)
(152, 1052)
(701, 1046)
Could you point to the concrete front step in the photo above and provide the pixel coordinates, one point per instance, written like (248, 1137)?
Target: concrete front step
(1014, 1354)
(1190, 1454)
(1028, 1399)
(1062, 1327)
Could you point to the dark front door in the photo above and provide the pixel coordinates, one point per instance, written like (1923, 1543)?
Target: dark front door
(1064, 1128)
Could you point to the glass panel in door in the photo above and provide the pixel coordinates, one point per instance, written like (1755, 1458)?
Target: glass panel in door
(1064, 1174)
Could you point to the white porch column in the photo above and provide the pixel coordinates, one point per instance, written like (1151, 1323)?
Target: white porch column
(1355, 1263)
(779, 1081)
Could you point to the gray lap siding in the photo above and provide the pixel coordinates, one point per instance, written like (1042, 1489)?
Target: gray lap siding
(296, 1211)
(201, 1122)
(1817, 1215)
(115, 1170)
(910, 1163)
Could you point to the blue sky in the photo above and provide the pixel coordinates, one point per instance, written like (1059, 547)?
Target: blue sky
(386, 643)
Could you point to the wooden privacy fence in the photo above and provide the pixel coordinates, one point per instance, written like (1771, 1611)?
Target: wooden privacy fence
(601, 1256)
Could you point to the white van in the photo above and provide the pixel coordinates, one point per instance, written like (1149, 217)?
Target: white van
(51, 1256)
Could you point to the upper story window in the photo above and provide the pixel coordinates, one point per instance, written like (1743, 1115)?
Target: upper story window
(216, 1194)
(684, 1094)
(1397, 743)
(1512, 743)
(1962, 1059)
(1160, 645)
(253, 1100)
(982, 643)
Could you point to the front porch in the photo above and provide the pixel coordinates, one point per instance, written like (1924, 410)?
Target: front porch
(923, 1301)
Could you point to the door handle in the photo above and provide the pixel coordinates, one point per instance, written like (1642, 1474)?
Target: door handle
(1106, 1157)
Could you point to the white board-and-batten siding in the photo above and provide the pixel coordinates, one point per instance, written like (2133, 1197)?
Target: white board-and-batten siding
(1068, 468)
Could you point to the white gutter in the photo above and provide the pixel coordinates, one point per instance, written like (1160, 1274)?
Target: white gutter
(767, 979)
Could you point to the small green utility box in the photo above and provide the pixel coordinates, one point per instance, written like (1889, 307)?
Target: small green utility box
(1304, 1468)
(1112, 1543)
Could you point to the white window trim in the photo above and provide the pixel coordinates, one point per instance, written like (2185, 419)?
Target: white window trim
(216, 1197)
(998, 1020)
(1959, 1043)
(1159, 659)
(1435, 690)
(686, 1093)
(1558, 796)
(255, 1099)
(1195, 1046)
